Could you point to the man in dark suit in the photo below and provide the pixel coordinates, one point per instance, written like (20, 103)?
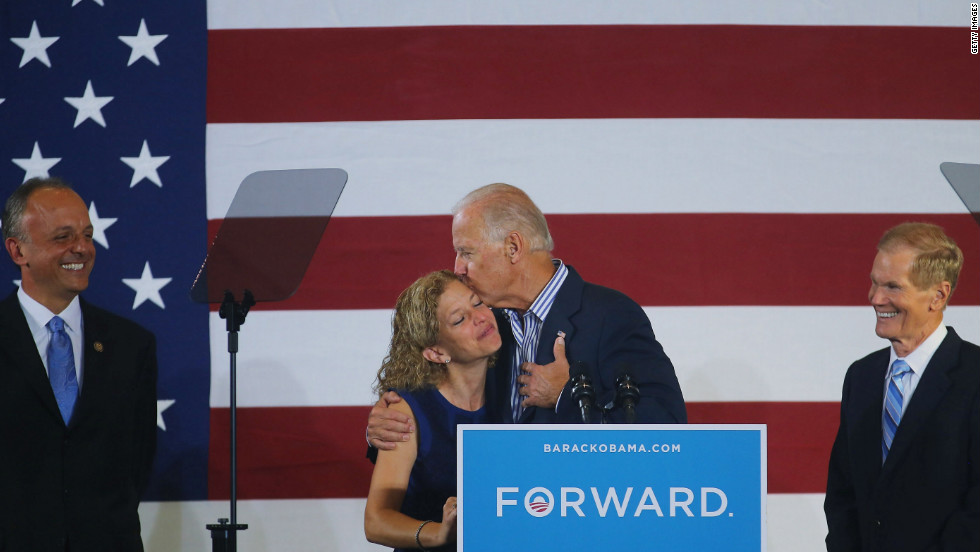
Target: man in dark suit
(548, 316)
(609, 333)
(905, 467)
(77, 395)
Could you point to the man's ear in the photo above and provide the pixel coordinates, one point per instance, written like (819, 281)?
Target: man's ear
(516, 246)
(13, 246)
(941, 296)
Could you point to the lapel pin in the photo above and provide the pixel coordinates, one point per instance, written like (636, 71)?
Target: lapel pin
(98, 347)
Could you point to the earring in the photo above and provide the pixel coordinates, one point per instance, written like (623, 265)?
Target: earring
(447, 362)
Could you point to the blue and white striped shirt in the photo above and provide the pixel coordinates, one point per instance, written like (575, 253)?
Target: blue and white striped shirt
(527, 331)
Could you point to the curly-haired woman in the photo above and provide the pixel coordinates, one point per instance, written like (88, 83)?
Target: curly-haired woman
(443, 340)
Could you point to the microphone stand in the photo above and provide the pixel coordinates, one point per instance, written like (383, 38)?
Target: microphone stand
(583, 392)
(224, 536)
(627, 395)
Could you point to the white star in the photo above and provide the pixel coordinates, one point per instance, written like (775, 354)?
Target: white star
(163, 404)
(76, 2)
(99, 225)
(36, 165)
(143, 44)
(145, 166)
(89, 106)
(35, 46)
(147, 287)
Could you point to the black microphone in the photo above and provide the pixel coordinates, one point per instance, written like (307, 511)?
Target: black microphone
(627, 393)
(582, 390)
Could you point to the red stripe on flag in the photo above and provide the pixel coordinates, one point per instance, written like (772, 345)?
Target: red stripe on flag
(800, 436)
(657, 259)
(545, 72)
(319, 452)
(283, 452)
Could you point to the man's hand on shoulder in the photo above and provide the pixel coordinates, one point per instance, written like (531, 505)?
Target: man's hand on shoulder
(386, 426)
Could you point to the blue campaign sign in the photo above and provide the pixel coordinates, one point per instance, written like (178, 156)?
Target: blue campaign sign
(545, 487)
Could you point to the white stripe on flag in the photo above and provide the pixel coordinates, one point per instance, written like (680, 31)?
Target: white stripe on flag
(258, 14)
(795, 525)
(719, 353)
(640, 165)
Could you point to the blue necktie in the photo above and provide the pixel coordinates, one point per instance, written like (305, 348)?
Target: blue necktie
(894, 399)
(526, 329)
(515, 397)
(61, 368)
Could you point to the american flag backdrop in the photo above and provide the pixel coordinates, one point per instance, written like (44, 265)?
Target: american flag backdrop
(730, 165)
(110, 96)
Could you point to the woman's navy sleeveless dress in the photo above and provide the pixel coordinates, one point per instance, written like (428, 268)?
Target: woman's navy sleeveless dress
(433, 478)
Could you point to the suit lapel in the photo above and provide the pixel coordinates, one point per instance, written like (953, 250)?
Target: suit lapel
(17, 343)
(932, 388)
(870, 394)
(566, 304)
(97, 348)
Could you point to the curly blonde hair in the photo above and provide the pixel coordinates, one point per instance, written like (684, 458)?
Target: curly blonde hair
(414, 327)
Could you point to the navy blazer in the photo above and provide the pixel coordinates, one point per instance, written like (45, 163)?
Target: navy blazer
(605, 329)
(926, 497)
(79, 483)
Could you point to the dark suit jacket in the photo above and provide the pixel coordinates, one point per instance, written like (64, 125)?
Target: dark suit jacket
(927, 494)
(605, 329)
(81, 482)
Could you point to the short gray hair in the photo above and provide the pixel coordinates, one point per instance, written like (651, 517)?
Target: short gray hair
(13, 210)
(506, 209)
(937, 257)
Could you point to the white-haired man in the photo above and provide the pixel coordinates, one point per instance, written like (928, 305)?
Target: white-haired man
(548, 318)
(905, 467)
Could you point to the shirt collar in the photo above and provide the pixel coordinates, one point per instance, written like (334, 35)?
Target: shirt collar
(38, 315)
(920, 357)
(542, 304)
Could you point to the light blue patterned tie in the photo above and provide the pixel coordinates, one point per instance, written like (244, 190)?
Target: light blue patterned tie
(517, 327)
(61, 368)
(526, 329)
(894, 399)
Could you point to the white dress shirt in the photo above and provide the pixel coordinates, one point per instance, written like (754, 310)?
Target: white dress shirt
(917, 360)
(38, 316)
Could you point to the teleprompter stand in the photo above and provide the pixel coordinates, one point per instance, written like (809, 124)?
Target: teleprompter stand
(224, 535)
(261, 253)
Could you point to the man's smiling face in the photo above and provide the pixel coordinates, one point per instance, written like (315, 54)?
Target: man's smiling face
(57, 255)
(905, 314)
